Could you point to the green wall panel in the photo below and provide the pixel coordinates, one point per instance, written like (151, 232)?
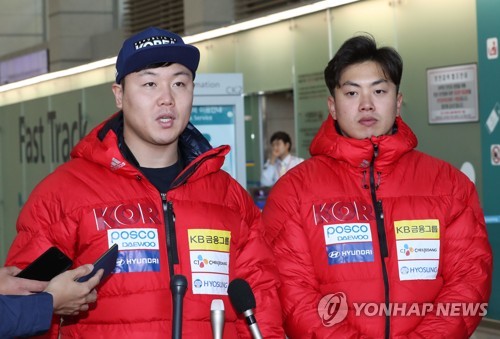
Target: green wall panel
(489, 75)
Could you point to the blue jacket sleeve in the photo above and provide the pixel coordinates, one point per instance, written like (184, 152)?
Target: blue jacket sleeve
(25, 315)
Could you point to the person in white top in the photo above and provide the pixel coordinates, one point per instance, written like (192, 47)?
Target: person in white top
(280, 160)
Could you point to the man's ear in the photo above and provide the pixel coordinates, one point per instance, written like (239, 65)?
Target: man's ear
(399, 103)
(331, 107)
(118, 92)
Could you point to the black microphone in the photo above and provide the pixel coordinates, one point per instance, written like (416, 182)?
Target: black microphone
(178, 285)
(243, 301)
(217, 318)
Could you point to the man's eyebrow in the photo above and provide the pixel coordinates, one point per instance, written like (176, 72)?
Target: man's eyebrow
(349, 83)
(354, 84)
(380, 81)
(148, 72)
(186, 73)
(151, 71)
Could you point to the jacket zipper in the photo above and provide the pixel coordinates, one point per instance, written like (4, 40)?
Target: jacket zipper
(382, 239)
(169, 216)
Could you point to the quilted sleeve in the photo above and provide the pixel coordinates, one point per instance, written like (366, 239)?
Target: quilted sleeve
(467, 269)
(40, 225)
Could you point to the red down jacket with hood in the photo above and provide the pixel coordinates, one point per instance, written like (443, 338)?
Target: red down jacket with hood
(375, 221)
(98, 198)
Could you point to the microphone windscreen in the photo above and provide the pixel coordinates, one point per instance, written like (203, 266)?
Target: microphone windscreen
(217, 305)
(178, 281)
(241, 295)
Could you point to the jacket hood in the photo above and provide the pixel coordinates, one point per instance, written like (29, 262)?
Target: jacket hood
(359, 153)
(104, 146)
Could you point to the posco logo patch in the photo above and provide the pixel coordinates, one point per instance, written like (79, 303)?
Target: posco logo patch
(347, 233)
(134, 238)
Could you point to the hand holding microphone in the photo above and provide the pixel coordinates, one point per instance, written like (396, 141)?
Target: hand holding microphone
(243, 300)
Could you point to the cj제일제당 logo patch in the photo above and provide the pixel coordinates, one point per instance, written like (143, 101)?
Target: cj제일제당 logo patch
(332, 308)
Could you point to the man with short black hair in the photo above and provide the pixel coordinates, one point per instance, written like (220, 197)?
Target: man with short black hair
(280, 160)
(370, 220)
(147, 180)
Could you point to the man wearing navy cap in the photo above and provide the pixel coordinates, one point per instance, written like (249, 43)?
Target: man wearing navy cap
(147, 180)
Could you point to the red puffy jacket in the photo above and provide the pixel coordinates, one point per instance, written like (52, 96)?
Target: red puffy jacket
(369, 226)
(98, 199)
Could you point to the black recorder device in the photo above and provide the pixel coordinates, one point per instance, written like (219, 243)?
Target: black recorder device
(51, 263)
(54, 262)
(106, 262)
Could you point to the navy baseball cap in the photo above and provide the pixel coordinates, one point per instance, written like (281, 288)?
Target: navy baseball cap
(151, 46)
